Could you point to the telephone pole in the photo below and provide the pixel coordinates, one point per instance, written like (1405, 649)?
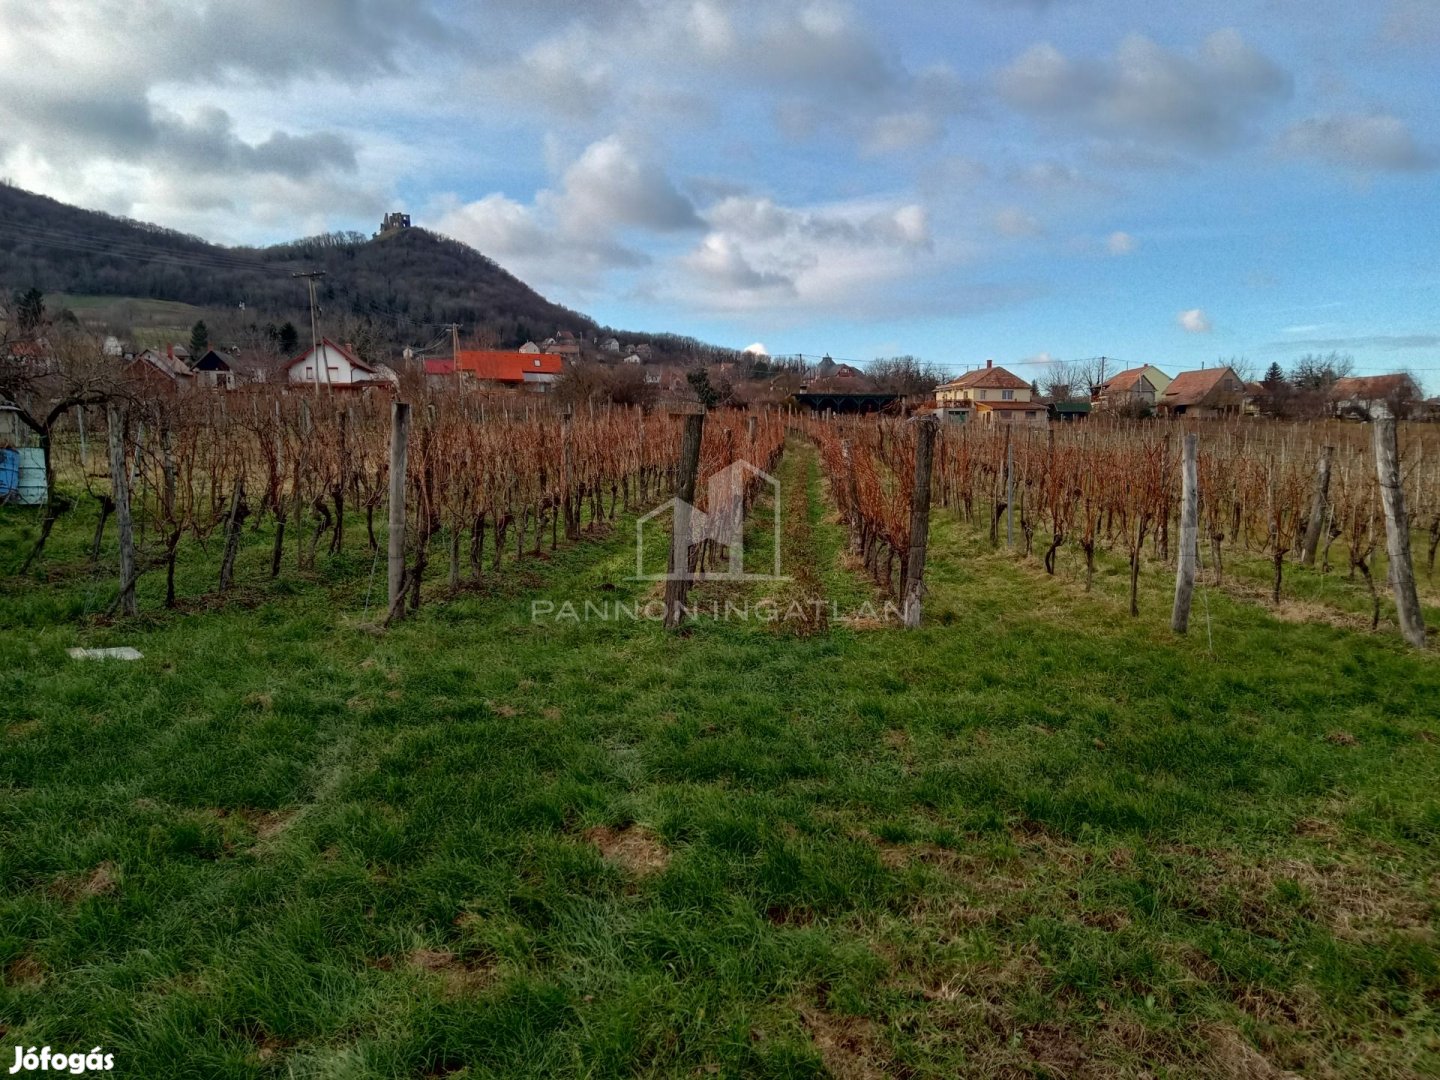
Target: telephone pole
(454, 329)
(311, 276)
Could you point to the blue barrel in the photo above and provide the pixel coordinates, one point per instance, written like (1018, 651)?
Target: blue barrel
(9, 473)
(31, 489)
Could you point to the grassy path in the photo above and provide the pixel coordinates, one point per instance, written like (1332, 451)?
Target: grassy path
(1035, 837)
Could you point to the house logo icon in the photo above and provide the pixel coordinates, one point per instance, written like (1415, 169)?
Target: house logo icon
(721, 525)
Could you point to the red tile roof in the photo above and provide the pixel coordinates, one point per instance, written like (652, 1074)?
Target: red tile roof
(988, 378)
(1372, 387)
(439, 367)
(1124, 382)
(1193, 387)
(492, 365)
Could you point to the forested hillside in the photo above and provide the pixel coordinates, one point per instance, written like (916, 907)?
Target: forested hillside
(401, 288)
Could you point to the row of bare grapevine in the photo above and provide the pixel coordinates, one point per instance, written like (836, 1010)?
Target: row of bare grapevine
(1115, 487)
(484, 485)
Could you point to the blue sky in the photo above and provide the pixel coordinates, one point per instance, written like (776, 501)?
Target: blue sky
(1016, 179)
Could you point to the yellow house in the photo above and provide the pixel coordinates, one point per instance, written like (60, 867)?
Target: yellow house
(990, 395)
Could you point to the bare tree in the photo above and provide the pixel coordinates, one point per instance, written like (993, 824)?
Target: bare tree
(1070, 380)
(905, 375)
(44, 376)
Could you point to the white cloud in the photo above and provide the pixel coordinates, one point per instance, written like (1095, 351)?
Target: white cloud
(1194, 321)
(757, 349)
(1121, 243)
(759, 253)
(121, 100)
(1014, 222)
(1413, 24)
(1202, 99)
(569, 236)
(614, 183)
(1363, 141)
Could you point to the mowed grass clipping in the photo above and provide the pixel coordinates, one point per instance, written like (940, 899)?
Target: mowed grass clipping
(1034, 838)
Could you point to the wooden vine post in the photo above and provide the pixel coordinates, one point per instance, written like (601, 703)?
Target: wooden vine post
(399, 453)
(852, 494)
(1397, 533)
(1318, 504)
(919, 521)
(124, 524)
(1009, 492)
(569, 504)
(1185, 565)
(677, 580)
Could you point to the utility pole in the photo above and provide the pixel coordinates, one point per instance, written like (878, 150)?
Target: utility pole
(311, 276)
(454, 329)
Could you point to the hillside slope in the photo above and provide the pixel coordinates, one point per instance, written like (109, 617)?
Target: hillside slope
(405, 285)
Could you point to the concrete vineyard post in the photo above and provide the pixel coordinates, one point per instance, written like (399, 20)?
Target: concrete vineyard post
(567, 498)
(919, 522)
(677, 581)
(1397, 533)
(399, 453)
(1318, 505)
(1185, 566)
(1009, 492)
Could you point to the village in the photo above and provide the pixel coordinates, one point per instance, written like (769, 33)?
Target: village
(564, 366)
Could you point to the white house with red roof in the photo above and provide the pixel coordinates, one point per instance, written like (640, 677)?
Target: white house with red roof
(332, 365)
(990, 395)
(1133, 390)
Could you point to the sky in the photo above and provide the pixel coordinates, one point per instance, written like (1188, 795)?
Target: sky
(1016, 180)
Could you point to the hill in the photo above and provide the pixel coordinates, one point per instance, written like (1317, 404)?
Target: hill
(402, 288)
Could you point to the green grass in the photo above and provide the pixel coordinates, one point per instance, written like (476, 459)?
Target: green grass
(1033, 838)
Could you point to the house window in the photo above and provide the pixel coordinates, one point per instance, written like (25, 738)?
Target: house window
(1007, 395)
(1029, 416)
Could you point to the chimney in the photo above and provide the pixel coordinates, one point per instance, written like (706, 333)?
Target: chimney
(990, 362)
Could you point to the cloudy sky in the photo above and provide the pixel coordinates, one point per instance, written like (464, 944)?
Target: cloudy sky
(1013, 179)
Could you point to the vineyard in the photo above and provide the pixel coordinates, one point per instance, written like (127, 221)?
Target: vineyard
(482, 490)
(356, 811)
(1116, 488)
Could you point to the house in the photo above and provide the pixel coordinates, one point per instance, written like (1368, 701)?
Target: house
(334, 366)
(633, 358)
(499, 370)
(563, 344)
(440, 373)
(215, 370)
(990, 395)
(1210, 392)
(31, 353)
(159, 369)
(530, 347)
(610, 345)
(1375, 397)
(112, 346)
(1134, 391)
